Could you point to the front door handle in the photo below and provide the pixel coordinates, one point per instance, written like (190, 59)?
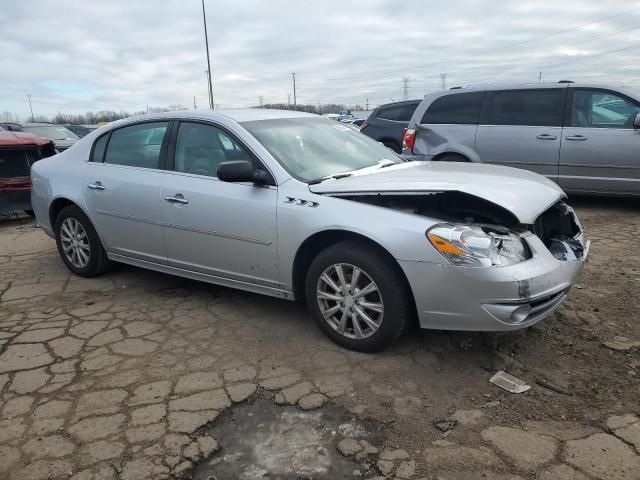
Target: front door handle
(576, 138)
(177, 198)
(546, 136)
(96, 186)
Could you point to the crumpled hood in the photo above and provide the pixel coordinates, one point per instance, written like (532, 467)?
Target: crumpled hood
(523, 193)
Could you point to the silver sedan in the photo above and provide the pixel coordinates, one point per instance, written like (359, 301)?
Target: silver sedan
(300, 207)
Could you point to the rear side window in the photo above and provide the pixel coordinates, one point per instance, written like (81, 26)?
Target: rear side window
(136, 145)
(462, 108)
(99, 148)
(398, 113)
(526, 107)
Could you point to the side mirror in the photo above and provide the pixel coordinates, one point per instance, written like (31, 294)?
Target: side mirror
(636, 121)
(240, 171)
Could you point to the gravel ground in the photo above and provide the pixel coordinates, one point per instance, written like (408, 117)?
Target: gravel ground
(134, 375)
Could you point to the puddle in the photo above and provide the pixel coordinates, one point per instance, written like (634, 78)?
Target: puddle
(264, 440)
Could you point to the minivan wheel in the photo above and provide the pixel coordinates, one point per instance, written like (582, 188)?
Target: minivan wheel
(78, 243)
(358, 296)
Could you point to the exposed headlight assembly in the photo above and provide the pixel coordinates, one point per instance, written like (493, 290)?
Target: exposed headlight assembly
(474, 246)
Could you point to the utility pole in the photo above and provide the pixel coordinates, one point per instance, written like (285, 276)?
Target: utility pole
(405, 88)
(539, 76)
(206, 42)
(30, 107)
(367, 104)
(295, 101)
(261, 98)
(147, 107)
(443, 81)
(194, 103)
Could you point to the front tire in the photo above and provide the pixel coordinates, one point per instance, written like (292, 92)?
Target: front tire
(78, 243)
(358, 296)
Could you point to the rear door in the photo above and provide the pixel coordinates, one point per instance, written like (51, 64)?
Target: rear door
(122, 188)
(600, 148)
(522, 128)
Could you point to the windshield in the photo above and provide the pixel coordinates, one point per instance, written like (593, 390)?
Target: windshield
(314, 148)
(53, 132)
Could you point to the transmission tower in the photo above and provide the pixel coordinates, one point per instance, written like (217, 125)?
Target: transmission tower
(443, 81)
(405, 88)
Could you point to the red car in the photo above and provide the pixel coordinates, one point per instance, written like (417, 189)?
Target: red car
(18, 151)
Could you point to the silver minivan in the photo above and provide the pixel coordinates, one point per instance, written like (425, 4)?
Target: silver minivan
(584, 137)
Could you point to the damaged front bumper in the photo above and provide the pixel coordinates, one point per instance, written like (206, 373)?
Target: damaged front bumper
(452, 297)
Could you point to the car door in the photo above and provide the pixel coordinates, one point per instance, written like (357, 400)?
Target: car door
(600, 148)
(522, 128)
(122, 189)
(227, 230)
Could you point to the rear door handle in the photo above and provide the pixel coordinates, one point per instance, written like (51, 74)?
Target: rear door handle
(576, 138)
(177, 198)
(96, 186)
(546, 136)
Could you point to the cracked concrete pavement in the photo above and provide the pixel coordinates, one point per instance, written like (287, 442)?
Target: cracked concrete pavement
(115, 377)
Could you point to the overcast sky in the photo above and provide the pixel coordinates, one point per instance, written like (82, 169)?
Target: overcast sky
(74, 56)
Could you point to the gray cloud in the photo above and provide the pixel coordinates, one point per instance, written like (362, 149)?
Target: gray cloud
(75, 56)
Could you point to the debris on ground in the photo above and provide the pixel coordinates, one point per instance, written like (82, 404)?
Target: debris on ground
(509, 383)
(445, 424)
(553, 387)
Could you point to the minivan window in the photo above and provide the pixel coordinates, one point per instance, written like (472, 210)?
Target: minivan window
(602, 109)
(136, 145)
(461, 108)
(398, 113)
(526, 107)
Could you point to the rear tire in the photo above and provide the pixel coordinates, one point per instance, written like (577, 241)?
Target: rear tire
(452, 157)
(78, 243)
(388, 310)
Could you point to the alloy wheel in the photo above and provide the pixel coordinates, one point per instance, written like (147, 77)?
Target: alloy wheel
(75, 242)
(350, 301)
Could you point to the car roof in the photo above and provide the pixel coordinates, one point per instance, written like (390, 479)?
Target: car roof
(12, 139)
(236, 114)
(528, 86)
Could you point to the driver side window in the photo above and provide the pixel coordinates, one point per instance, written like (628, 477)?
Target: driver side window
(601, 109)
(201, 148)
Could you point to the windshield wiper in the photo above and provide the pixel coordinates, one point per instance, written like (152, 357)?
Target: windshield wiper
(335, 177)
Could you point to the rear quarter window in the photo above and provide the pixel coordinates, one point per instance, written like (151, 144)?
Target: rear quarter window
(458, 108)
(397, 113)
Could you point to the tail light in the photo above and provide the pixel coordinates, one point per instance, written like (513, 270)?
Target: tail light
(409, 138)
(364, 125)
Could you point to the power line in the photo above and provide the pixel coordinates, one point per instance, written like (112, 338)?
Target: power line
(498, 49)
(586, 57)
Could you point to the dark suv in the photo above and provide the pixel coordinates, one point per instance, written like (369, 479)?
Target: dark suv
(18, 151)
(386, 123)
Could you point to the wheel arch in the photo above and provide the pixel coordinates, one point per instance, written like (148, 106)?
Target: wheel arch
(460, 150)
(56, 207)
(319, 241)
